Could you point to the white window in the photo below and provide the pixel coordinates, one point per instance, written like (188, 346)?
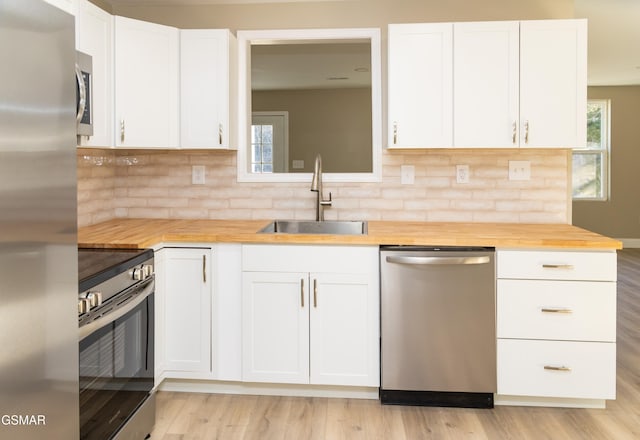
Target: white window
(261, 148)
(269, 142)
(591, 163)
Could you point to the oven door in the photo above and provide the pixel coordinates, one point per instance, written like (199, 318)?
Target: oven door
(116, 365)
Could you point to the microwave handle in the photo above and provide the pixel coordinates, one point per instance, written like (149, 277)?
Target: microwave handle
(82, 88)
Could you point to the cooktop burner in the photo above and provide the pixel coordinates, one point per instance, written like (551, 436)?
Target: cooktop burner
(98, 265)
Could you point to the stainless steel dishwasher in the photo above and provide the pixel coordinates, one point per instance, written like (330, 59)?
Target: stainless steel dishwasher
(438, 328)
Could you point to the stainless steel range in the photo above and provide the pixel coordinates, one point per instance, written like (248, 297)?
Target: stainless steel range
(115, 316)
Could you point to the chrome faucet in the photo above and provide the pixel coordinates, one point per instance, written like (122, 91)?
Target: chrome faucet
(316, 185)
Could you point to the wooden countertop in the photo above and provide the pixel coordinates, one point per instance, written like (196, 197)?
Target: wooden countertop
(143, 233)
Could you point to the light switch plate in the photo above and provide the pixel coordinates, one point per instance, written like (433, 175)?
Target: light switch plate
(197, 175)
(407, 174)
(519, 170)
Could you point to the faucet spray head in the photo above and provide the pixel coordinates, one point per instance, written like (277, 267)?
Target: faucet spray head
(317, 174)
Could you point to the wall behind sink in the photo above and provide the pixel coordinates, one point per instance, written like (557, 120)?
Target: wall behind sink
(157, 184)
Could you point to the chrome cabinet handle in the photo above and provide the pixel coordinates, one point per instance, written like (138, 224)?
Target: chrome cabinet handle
(556, 310)
(554, 368)
(395, 132)
(82, 89)
(558, 266)
(315, 293)
(437, 260)
(122, 130)
(515, 132)
(526, 132)
(204, 268)
(302, 292)
(219, 134)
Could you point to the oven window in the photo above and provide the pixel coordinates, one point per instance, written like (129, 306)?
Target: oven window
(116, 372)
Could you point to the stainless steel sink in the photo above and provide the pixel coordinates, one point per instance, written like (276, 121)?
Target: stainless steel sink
(312, 227)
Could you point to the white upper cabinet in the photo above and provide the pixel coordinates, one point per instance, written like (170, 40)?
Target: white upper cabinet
(94, 35)
(208, 86)
(553, 83)
(486, 84)
(146, 84)
(420, 92)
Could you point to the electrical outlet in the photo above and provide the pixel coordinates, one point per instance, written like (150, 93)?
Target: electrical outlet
(407, 174)
(197, 174)
(519, 170)
(297, 164)
(462, 173)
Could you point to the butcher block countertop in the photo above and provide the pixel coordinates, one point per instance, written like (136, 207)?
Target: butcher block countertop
(144, 233)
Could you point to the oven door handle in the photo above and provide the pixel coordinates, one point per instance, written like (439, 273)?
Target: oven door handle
(89, 328)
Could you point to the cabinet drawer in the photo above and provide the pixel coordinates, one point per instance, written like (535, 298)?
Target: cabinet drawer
(557, 265)
(581, 370)
(565, 310)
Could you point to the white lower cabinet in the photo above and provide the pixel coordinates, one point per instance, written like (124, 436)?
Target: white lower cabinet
(184, 289)
(310, 315)
(556, 326)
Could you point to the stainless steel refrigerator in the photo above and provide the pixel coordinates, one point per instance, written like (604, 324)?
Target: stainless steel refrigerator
(38, 243)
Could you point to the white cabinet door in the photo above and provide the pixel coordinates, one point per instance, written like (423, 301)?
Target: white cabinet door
(146, 84)
(553, 83)
(187, 310)
(344, 337)
(94, 34)
(486, 84)
(275, 327)
(420, 91)
(207, 89)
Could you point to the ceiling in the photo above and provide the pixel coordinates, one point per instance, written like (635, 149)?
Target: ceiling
(614, 40)
(614, 34)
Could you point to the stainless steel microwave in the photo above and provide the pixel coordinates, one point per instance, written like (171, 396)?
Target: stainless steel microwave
(84, 94)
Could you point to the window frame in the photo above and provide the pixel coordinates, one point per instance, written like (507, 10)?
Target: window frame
(604, 151)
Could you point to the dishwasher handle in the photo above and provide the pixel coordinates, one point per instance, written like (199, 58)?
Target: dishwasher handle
(403, 259)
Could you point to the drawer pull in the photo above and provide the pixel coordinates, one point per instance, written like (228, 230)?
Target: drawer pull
(555, 310)
(552, 368)
(558, 266)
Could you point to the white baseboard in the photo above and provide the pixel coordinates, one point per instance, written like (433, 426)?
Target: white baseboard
(555, 402)
(218, 387)
(630, 242)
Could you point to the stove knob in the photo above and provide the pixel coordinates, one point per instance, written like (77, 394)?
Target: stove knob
(137, 274)
(95, 298)
(84, 305)
(148, 270)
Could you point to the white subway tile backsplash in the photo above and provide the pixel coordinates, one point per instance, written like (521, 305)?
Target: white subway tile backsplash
(157, 184)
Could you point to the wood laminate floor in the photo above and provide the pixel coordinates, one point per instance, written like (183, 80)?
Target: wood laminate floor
(194, 416)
